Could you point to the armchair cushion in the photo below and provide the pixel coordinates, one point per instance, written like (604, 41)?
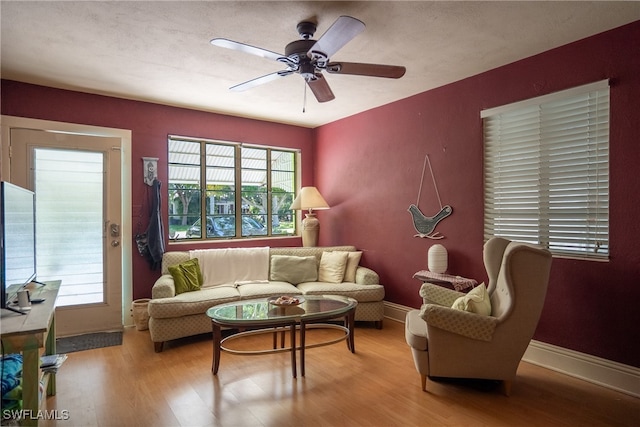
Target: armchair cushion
(476, 301)
(186, 276)
(470, 325)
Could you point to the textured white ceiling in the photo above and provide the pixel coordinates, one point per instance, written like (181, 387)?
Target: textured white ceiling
(159, 51)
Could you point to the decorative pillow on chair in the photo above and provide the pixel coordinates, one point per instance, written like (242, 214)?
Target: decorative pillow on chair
(476, 301)
(332, 266)
(353, 260)
(293, 269)
(187, 276)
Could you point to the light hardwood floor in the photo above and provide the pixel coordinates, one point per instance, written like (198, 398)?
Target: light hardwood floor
(130, 385)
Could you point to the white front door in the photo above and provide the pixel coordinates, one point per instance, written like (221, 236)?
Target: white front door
(77, 181)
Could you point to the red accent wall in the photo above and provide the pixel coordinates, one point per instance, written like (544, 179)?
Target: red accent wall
(150, 125)
(369, 170)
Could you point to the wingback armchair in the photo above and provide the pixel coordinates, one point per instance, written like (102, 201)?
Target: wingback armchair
(453, 343)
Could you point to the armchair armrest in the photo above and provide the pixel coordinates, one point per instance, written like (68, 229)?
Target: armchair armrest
(164, 287)
(366, 276)
(434, 294)
(470, 325)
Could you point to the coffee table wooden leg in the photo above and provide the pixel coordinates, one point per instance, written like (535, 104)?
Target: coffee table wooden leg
(293, 349)
(217, 337)
(302, 344)
(351, 321)
(277, 333)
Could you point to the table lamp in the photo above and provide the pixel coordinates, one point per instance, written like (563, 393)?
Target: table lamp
(309, 198)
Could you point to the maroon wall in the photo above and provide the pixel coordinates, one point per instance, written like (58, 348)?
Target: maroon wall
(150, 125)
(369, 169)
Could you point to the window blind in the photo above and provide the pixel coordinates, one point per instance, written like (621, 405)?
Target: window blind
(546, 171)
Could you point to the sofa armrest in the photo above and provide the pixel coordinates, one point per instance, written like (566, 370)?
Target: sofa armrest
(164, 287)
(470, 325)
(366, 276)
(434, 294)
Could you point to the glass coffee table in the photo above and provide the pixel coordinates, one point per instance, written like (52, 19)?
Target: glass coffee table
(263, 315)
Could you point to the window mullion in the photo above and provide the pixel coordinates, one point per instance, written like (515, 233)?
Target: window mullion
(203, 189)
(238, 186)
(269, 223)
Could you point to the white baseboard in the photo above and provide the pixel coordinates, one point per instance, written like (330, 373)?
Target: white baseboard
(606, 373)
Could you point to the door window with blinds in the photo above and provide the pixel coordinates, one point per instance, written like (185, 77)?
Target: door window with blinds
(223, 190)
(546, 171)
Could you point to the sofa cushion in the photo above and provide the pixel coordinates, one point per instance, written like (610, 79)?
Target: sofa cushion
(263, 290)
(476, 301)
(186, 276)
(353, 260)
(362, 293)
(293, 269)
(332, 266)
(188, 303)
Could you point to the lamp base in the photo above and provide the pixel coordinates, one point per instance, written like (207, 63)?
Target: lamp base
(310, 229)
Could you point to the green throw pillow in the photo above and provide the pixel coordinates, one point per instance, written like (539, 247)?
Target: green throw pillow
(187, 276)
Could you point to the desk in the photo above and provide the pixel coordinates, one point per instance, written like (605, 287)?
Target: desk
(460, 284)
(27, 334)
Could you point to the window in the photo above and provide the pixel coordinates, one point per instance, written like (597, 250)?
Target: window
(237, 191)
(546, 171)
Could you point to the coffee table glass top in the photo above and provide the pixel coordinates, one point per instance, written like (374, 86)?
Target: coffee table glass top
(256, 310)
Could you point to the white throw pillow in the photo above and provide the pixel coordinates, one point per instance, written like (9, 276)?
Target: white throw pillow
(476, 301)
(353, 260)
(332, 266)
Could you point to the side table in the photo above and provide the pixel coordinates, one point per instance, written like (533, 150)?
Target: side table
(461, 284)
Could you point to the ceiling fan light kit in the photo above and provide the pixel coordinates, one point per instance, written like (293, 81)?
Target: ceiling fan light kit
(310, 58)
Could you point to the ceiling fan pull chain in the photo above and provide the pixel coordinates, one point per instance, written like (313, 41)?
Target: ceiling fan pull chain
(304, 98)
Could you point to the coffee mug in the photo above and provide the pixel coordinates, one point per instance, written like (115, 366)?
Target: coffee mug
(24, 300)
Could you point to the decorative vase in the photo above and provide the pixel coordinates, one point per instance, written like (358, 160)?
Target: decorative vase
(437, 259)
(310, 230)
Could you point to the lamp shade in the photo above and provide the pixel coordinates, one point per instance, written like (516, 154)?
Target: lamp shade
(309, 198)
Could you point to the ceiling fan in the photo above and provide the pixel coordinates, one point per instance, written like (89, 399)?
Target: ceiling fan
(310, 58)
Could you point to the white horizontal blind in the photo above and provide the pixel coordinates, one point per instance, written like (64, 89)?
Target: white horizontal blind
(546, 171)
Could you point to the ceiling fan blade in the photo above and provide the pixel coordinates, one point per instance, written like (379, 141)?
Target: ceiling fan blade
(373, 70)
(260, 80)
(241, 47)
(320, 88)
(339, 34)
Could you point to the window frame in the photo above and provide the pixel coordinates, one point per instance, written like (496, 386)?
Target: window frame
(237, 204)
(546, 171)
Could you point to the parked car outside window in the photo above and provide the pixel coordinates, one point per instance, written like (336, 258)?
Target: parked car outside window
(224, 226)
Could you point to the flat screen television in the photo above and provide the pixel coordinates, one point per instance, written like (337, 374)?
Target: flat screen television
(17, 240)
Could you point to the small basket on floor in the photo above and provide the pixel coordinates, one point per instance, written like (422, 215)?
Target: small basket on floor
(141, 314)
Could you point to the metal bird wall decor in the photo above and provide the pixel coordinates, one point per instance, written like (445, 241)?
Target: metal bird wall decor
(425, 225)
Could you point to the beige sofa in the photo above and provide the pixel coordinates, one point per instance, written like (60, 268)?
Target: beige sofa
(174, 316)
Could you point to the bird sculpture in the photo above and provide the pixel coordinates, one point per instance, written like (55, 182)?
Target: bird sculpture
(425, 225)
